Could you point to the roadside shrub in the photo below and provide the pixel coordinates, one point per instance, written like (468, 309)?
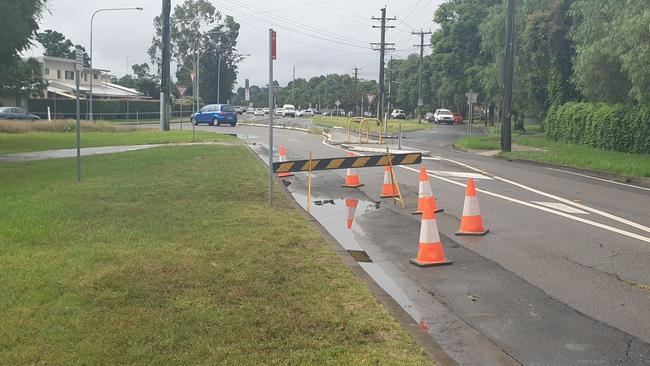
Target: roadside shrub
(604, 126)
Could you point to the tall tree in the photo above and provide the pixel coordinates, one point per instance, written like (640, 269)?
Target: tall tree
(19, 21)
(198, 28)
(55, 44)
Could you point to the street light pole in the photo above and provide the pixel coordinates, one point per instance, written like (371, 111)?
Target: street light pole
(219, 80)
(92, 18)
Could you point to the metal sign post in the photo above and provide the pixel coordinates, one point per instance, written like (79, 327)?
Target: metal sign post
(272, 56)
(471, 99)
(79, 58)
(181, 90)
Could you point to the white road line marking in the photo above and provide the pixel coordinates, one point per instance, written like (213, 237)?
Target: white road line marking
(563, 200)
(601, 179)
(542, 208)
(532, 205)
(459, 174)
(561, 207)
(580, 206)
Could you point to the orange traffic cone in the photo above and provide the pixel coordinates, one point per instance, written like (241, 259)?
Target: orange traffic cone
(471, 223)
(351, 178)
(425, 193)
(387, 190)
(430, 252)
(351, 204)
(283, 158)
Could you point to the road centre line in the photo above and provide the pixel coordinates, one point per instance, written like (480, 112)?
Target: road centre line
(600, 179)
(524, 203)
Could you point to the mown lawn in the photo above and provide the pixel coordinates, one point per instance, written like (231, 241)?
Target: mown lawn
(393, 125)
(172, 257)
(622, 164)
(36, 141)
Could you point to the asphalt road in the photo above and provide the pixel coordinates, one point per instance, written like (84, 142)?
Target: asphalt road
(562, 278)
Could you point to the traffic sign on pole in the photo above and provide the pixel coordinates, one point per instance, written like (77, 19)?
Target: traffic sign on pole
(370, 98)
(181, 90)
(337, 103)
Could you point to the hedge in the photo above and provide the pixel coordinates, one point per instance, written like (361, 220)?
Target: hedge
(103, 108)
(604, 126)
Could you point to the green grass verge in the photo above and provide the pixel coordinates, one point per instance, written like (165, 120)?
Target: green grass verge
(479, 143)
(577, 156)
(622, 164)
(393, 125)
(37, 141)
(172, 257)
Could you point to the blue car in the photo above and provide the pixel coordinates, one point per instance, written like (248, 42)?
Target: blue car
(216, 114)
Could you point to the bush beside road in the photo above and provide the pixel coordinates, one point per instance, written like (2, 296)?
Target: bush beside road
(172, 256)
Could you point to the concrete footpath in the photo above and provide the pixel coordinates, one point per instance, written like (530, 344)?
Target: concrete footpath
(87, 151)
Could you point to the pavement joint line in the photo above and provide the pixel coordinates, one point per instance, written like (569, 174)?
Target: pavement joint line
(600, 179)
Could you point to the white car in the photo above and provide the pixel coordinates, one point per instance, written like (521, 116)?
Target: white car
(305, 113)
(443, 116)
(288, 110)
(398, 114)
(259, 112)
(266, 110)
(278, 112)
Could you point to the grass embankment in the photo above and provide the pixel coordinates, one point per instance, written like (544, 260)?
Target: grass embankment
(577, 156)
(393, 125)
(172, 257)
(36, 141)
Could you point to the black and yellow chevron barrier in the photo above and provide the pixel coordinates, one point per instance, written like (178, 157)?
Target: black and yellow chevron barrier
(344, 163)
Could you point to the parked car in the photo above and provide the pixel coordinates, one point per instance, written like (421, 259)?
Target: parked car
(315, 110)
(305, 113)
(215, 114)
(250, 110)
(278, 112)
(429, 117)
(266, 110)
(259, 111)
(458, 118)
(239, 109)
(398, 114)
(443, 116)
(478, 116)
(16, 113)
(367, 114)
(288, 110)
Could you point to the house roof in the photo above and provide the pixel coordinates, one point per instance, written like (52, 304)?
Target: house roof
(103, 89)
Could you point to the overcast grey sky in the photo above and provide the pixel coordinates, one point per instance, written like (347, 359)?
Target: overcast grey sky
(317, 36)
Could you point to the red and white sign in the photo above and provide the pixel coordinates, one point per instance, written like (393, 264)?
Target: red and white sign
(181, 89)
(370, 97)
(192, 76)
(274, 45)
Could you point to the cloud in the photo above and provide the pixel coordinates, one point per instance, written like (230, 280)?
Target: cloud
(317, 36)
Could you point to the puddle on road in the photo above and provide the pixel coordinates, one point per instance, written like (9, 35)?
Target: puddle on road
(338, 215)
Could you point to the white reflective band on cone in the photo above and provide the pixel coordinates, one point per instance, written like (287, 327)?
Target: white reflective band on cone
(425, 190)
(470, 208)
(429, 232)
